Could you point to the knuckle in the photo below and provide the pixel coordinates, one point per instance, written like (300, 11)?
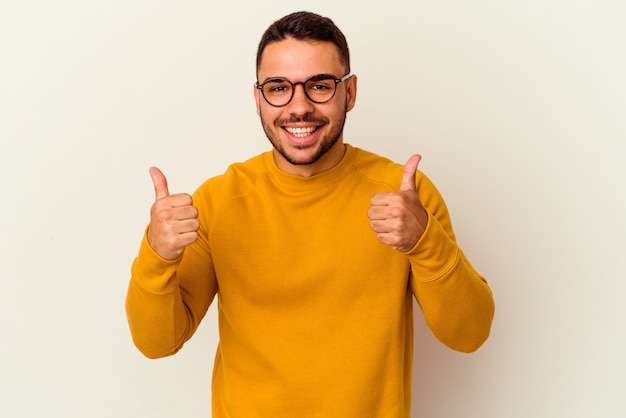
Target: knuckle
(187, 199)
(396, 198)
(171, 241)
(163, 215)
(396, 212)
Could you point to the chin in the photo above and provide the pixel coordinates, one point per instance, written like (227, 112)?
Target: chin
(300, 158)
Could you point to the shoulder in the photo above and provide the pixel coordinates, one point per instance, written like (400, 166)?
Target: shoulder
(380, 169)
(238, 179)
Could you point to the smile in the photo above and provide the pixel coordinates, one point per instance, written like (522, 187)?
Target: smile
(301, 132)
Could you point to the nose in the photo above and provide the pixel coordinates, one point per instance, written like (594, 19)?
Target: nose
(300, 104)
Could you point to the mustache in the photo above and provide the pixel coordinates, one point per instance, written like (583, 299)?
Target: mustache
(306, 118)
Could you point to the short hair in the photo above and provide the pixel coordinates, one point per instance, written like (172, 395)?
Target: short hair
(305, 26)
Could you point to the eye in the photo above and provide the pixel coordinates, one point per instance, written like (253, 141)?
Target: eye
(321, 85)
(276, 87)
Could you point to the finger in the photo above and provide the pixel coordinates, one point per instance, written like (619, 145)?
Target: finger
(408, 178)
(160, 183)
(377, 213)
(380, 199)
(172, 209)
(185, 212)
(178, 200)
(185, 226)
(380, 226)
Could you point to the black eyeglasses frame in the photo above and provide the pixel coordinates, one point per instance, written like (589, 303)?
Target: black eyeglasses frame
(303, 83)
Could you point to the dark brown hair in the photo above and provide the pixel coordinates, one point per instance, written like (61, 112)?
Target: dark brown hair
(305, 26)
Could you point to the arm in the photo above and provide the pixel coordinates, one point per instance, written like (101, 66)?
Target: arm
(457, 303)
(172, 284)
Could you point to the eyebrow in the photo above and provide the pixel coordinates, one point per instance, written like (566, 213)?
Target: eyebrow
(315, 77)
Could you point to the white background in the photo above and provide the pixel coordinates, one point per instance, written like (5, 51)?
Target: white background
(519, 110)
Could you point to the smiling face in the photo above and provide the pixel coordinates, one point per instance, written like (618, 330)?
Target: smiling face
(307, 136)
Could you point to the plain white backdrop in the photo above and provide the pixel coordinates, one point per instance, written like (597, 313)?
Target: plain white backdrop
(519, 111)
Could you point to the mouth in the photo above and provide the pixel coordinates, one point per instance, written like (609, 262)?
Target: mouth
(300, 132)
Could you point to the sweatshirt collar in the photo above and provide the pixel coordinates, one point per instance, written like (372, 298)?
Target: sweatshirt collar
(324, 179)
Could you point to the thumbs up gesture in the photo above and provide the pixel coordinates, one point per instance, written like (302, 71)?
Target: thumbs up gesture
(173, 219)
(398, 218)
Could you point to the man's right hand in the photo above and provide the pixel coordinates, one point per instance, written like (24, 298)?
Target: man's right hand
(173, 220)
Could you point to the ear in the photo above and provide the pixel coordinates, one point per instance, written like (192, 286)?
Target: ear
(257, 99)
(351, 93)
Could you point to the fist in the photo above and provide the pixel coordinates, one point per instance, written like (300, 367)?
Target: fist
(173, 219)
(399, 218)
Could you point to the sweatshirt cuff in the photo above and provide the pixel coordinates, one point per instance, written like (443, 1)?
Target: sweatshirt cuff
(434, 254)
(152, 272)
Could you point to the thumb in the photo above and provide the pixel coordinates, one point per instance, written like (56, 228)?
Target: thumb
(160, 183)
(408, 178)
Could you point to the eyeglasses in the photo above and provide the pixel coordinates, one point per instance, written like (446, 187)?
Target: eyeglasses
(320, 88)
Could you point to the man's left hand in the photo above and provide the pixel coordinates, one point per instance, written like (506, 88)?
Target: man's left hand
(399, 218)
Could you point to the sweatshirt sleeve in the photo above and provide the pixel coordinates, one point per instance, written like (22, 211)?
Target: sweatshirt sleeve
(166, 300)
(456, 300)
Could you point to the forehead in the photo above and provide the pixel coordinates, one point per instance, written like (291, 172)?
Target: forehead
(299, 59)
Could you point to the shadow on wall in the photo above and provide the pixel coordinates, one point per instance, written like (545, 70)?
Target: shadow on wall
(442, 377)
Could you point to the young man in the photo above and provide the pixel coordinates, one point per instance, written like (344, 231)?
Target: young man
(315, 250)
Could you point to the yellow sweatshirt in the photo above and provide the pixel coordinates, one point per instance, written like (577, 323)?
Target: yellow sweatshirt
(315, 314)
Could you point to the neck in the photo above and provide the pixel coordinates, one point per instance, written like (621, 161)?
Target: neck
(330, 159)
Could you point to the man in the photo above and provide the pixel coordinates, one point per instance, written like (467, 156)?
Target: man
(314, 249)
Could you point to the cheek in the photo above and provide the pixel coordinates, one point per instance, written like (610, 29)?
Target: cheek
(269, 115)
(267, 118)
(338, 112)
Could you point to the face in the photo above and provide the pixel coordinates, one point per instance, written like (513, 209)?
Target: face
(307, 136)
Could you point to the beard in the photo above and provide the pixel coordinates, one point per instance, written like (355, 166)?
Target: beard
(327, 142)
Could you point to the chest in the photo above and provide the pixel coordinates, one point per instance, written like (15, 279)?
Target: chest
(290, 243)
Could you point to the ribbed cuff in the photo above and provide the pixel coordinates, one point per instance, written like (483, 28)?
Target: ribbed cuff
(434, 254)
(152, 272)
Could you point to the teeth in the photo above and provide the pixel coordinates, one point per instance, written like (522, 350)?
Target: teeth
(301, 131)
